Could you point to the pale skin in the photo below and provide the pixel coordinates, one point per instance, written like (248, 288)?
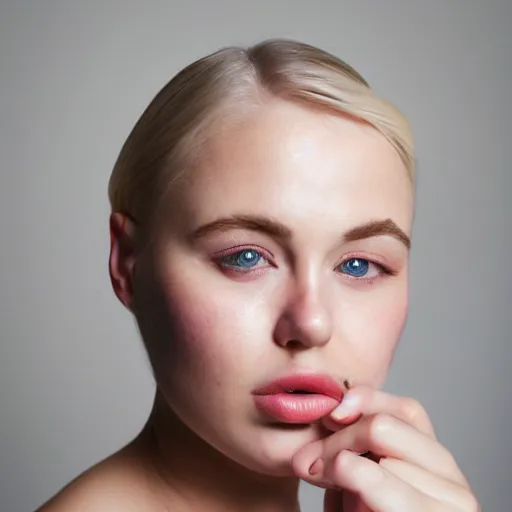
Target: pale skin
(218, 321)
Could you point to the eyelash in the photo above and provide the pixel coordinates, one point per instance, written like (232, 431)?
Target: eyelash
(262, 254)
(230, 253)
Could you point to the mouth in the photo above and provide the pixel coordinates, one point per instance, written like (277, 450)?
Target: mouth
(301, 398)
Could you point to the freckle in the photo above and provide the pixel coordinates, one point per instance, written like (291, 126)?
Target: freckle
(346, 383)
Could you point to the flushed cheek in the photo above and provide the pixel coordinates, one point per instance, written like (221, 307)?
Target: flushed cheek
(372, 332)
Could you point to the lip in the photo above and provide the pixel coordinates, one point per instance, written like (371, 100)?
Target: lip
(322, 394)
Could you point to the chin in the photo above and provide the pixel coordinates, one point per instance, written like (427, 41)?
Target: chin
(273, 447)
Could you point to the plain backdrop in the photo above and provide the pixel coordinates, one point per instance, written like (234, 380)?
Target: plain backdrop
(75, 76)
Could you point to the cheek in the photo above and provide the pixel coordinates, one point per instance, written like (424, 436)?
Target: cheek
(201, 332)
(372, 325)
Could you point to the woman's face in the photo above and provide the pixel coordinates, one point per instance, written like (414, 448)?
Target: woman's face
(285, 251)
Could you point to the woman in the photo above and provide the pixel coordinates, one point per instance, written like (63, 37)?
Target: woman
(261, 222)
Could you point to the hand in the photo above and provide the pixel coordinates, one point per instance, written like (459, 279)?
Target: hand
(407, 469)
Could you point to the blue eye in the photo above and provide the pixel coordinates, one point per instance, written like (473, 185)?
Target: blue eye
(356, 267)
(246, 259)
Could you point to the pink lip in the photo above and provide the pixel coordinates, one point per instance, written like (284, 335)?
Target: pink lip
(323, 394)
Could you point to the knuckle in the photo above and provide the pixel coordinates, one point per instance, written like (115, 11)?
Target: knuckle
(470, 502)
(413, 410)
(449, 459)
(378, 425)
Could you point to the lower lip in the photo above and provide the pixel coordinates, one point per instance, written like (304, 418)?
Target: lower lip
(295, 408)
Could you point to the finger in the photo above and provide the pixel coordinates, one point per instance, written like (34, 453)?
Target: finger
(379, 489)
(432, 485)
(385, 436)
(364, 400)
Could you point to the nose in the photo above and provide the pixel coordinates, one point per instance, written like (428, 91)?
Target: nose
(305, 321)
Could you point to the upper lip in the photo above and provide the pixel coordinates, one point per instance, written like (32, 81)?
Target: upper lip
(318, 383)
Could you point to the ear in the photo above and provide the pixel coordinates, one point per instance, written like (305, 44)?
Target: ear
(122, 256)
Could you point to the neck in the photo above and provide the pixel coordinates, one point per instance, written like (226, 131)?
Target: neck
(192, 475)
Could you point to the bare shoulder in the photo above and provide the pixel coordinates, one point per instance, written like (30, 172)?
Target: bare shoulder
(116, 483)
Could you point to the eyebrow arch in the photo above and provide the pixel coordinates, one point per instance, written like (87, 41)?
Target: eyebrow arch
(280, 231)
(250, 222)
(377, 228)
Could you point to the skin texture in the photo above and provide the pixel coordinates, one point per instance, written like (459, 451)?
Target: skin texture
(233, 331)
(214, 332)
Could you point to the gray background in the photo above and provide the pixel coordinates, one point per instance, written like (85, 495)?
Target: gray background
(74, 78)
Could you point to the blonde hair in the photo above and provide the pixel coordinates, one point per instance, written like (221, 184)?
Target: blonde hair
(171, 133)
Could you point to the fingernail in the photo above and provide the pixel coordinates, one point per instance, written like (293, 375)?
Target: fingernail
(347, 407)
(316, 467)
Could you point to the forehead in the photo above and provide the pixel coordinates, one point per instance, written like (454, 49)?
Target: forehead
(300, 166)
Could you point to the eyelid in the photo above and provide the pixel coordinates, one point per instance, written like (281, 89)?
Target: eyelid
(372, 258)
(243, 247)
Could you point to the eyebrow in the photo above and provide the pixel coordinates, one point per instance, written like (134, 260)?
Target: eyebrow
(377, 228)
(277, 230)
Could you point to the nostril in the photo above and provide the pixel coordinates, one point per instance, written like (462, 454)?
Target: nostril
(294, 344)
